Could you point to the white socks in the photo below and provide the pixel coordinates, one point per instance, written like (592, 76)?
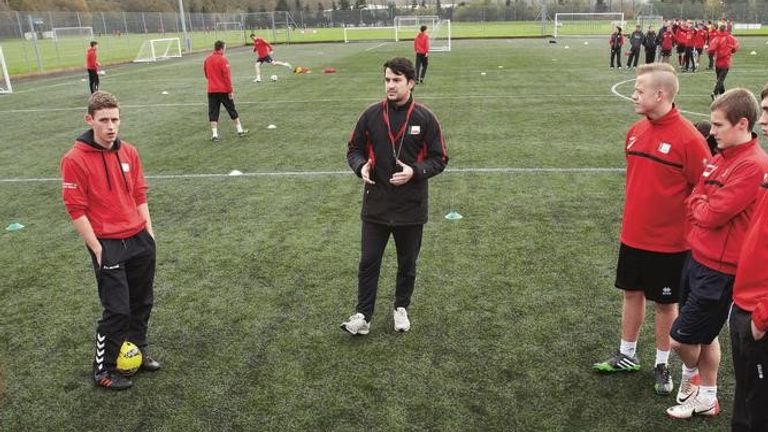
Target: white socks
(239, 127)
(214, 132)
(628, 348)
(662, 357)
(707, 394)
(689, 373)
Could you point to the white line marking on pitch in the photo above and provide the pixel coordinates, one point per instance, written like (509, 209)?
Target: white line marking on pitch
(508, 170)
(616, 92)
(377, 46)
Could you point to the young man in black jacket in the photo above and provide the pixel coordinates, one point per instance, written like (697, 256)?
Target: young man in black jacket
(397, 145)
(650, 43)
(636, 40)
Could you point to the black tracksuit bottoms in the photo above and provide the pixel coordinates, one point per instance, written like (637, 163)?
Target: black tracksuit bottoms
(634, 57)
(650, 55)
(374, 241)
(721, 73)
(616, 53)
(750, 365)
(422, 61)
(125, 282)
(93, 80)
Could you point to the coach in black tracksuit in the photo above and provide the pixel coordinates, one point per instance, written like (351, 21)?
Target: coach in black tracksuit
(650, 42)
(636, 40)
(396, 146)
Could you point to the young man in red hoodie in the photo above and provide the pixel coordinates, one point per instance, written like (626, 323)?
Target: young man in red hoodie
(719, 211)
(263, 50)
(749, 316)
(92, 65)
(665, 157)
(220, 92)
(723, 47)
(105, 193)
(421, 46)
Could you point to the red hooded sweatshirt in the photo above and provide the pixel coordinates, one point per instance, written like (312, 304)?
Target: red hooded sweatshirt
(723, 46)
(261, 47)
(216, 69)
(90, 59)
(722, 204)
(665, 158)
(421, 43)
(750, 290)
(106, 186)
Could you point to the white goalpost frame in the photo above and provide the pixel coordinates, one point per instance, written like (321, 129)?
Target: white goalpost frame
(618, 19)
(5, 88)
(645, 20)
(439, 30)
(77, 32)
(163, 53)
(355, 29)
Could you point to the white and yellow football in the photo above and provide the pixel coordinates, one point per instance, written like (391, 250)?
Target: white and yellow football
(129, 359)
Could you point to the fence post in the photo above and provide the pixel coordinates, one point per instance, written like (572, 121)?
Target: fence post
(21, 29)
(34, 43)
(103, 21)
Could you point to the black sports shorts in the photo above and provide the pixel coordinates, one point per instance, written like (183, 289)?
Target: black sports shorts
(705, 299)
(655, 273)
(265, 59)
(215, 100)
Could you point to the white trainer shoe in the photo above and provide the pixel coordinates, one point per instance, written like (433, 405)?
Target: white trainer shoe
(694, 407)
(356, 324)
(258, 79)
(402, 323)
(689, 388)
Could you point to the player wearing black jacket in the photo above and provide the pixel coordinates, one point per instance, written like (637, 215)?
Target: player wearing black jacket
(650, 43)
(396, 146)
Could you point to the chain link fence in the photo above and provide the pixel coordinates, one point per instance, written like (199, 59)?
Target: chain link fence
(31, 45)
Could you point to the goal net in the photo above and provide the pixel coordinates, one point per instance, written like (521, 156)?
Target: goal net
(439, 30)
(231, 32)
(5, 83)
(587, 24)
(369, 34)
(59, 33)
(158, 49)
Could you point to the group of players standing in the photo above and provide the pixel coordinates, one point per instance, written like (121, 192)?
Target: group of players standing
(691, 40)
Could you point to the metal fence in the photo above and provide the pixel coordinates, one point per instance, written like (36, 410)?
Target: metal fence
(28, 36)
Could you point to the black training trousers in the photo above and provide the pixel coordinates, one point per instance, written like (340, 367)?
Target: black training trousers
(93, 80)
(634, 56)
(720, 83)
(125, 282)
(616, 53)
(690, 59)
(422, 61)
(750, 365)
(650, 55)
(374, 241)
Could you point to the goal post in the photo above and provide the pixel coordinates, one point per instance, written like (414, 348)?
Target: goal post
(5, 84)
(229, 26)
(59, 33)
(158, 49)
(644, 21)
(587, 24)
(439, 30)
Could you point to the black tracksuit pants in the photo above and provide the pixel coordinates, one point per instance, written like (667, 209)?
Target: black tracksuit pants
(634, 57)
(690, 59)
(650, 55)
(750, 365)
(616, 53)
(422, 61)
(374, 241)
(125, 283)
(720, 83)
(93, 80)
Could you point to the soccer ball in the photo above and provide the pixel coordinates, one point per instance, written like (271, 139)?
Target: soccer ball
(273, 77)
(129, 359)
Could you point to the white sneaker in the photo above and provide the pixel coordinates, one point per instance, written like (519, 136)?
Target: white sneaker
(288, 65)
(693, 407)
(689, 388)
(258, 79)
(356, 324)
(402, 324)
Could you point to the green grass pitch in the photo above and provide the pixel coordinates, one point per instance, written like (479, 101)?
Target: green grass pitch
(512, 305)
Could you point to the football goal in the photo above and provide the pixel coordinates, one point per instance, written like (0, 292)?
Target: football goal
(59, 33)
(229, 26)
(644, 21)
(587, 24)
(5, 84)
(158, 49)
(439, 30)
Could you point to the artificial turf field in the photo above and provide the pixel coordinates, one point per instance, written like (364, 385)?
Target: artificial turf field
(513, 303)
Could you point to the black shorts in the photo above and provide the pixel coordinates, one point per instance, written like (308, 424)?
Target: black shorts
(655, 273)
(265, 59)
(666, 53)
(705, 299)
(681, 49)
(215, 100)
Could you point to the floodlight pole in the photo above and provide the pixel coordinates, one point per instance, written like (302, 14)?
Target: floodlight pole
(187, 41)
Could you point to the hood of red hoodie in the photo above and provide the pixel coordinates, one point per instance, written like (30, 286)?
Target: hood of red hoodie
(87, 143)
